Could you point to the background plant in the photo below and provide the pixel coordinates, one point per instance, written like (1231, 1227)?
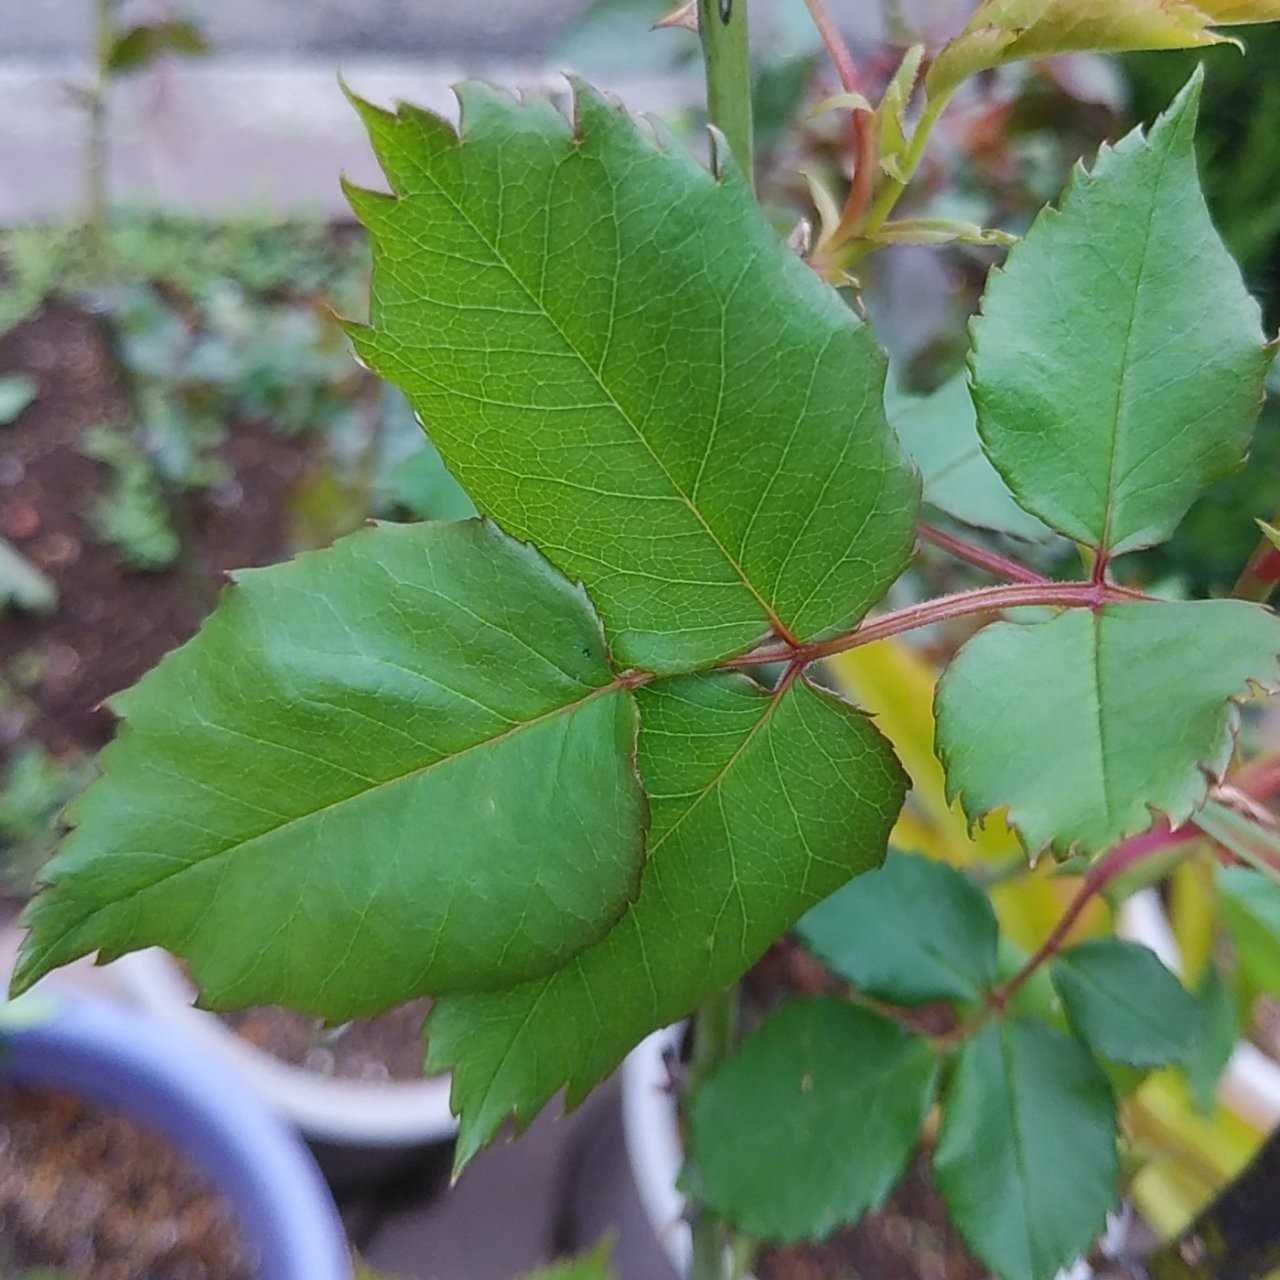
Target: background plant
(682, 417)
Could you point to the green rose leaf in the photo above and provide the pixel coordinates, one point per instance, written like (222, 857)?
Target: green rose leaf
(812, 1122)
(1250, 904)
(914, 931)
(399, 766)
(940, 431)
(1105, 400)
(139, 46)
(1125, 1005)
(1084, 724)
(762, 804)
(622, 363)
(1026, 1157)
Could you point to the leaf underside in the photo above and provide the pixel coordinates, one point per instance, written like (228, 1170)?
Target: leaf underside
(397, 767)
(1026, 1157)
(836, 1097)
(762, 805)
(622, 363)
(1085, 724)
(1118, 361)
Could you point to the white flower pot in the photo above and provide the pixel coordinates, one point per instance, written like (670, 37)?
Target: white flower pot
(654, 1147)
(344, 1112)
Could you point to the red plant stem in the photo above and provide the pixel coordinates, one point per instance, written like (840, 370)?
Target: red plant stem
(862, 126)
(1259, 778)
(1108, 868)
(838, 50)
(1001, 566)
(1261, 574)
(1087, 595)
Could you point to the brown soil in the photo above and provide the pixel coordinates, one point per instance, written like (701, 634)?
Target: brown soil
(375, 1050)
(113, 623)
(910, 1238)
(90, 1192)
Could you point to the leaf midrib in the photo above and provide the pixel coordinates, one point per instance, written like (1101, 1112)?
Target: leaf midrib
(1126, 365)
(771, 615)
(240, 846)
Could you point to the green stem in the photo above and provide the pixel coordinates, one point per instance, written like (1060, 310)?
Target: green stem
(715, 1030)
(891, 192)
(722, 25)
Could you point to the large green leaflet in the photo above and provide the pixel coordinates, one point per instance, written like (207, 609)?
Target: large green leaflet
(835, 1095)
(396, 767)
(1084, 724)
(1026, 1158)
(619, 359)
(762, 805)
(1118, 362)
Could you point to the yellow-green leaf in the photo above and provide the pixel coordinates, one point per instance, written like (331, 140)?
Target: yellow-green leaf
(1006, 30)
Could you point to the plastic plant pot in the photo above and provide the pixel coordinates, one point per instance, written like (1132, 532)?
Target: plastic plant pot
(344, 1113)
(119, 1059)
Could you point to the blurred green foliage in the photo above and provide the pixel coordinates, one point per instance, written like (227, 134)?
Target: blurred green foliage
(36, 787)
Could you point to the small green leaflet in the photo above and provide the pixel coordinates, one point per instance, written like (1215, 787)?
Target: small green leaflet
(422, 484)
(1026, 1158)
(1106, 402)
(1212, 1051)
(1084, 724)
(940, 432)
(621, 362)
(1251, 911)
(396, 767)
(914, 931)
(1124, 1004)
(762, 805)
(835, 1095)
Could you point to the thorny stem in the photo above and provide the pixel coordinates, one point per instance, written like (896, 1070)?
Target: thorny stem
(1089, 595)
(722, 26)
(1108, 868)
(1000, 565)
